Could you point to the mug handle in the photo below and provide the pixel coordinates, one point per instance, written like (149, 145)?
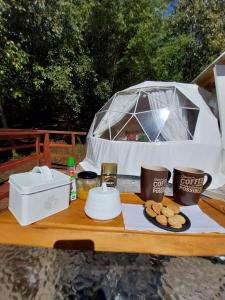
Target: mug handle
(208, 181)
(169, 175)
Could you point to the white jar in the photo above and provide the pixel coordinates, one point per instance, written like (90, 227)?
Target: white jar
(103, 203)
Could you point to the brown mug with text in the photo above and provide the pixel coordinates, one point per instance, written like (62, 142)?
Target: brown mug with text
(188, 184)
(153, 182)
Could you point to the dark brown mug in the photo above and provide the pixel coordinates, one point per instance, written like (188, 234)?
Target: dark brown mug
(153, 182)
(188, 184)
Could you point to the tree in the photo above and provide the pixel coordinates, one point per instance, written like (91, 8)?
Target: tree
(122, 37)
(44, 64)
(195, 37)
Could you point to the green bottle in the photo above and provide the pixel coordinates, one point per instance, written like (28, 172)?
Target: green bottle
(72, 173)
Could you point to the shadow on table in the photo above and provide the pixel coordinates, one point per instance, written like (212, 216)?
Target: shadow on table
(74, 245)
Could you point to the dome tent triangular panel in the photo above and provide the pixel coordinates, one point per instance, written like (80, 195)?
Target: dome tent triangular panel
(123, 119)
(161, 98)
(131, 131)
(148, 121)
(182, 101)
(142, 102)
(176, 126)
(171, 125)
(123, 102)
(98, 117)
(107, 104)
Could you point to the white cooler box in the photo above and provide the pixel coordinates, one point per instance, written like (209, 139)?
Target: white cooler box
(38, 194)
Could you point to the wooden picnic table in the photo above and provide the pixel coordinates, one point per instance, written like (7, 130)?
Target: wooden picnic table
(73, 227)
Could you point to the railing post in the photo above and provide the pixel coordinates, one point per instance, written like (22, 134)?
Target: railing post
(73, 144)
(37, 147)
(47, 150)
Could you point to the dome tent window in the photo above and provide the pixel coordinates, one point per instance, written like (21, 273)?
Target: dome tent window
(153, 114)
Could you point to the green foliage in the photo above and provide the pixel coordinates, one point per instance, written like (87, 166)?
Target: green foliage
(43, 60)
(195, 37)
(171, 60)
(121, 36)
(61, 60)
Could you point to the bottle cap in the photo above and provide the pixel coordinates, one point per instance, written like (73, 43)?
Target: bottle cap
(71, 161)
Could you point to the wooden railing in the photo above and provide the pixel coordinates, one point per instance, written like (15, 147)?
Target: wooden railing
(42, 145)
(42, 151)
(47, 145)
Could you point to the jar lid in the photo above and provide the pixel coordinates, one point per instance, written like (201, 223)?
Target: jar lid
(87, 175)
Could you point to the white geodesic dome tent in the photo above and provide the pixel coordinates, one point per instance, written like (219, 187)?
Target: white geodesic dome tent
(156, 123)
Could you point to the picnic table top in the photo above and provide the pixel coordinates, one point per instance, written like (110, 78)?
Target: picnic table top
(71, 228)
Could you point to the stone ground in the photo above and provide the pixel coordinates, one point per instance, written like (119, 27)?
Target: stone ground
(47, 274)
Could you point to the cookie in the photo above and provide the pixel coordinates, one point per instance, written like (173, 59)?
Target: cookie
(174, 221)
(161, 219)
(151, 212)
(177, 226)
(174, 208)
(180, 219)
(167, 212)
(157, 207)
(149, 203)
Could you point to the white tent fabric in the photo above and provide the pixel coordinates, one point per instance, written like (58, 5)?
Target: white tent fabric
(164, 112)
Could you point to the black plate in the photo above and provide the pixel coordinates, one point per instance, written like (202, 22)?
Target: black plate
(185, 226)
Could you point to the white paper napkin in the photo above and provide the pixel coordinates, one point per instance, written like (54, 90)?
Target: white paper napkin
(134, 219)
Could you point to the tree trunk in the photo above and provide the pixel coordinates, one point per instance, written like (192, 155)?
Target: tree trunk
(3, 118)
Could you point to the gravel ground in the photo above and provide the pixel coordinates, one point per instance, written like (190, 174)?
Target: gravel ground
(45, 274)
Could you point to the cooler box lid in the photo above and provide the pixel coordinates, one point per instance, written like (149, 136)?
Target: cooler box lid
(39, 179)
